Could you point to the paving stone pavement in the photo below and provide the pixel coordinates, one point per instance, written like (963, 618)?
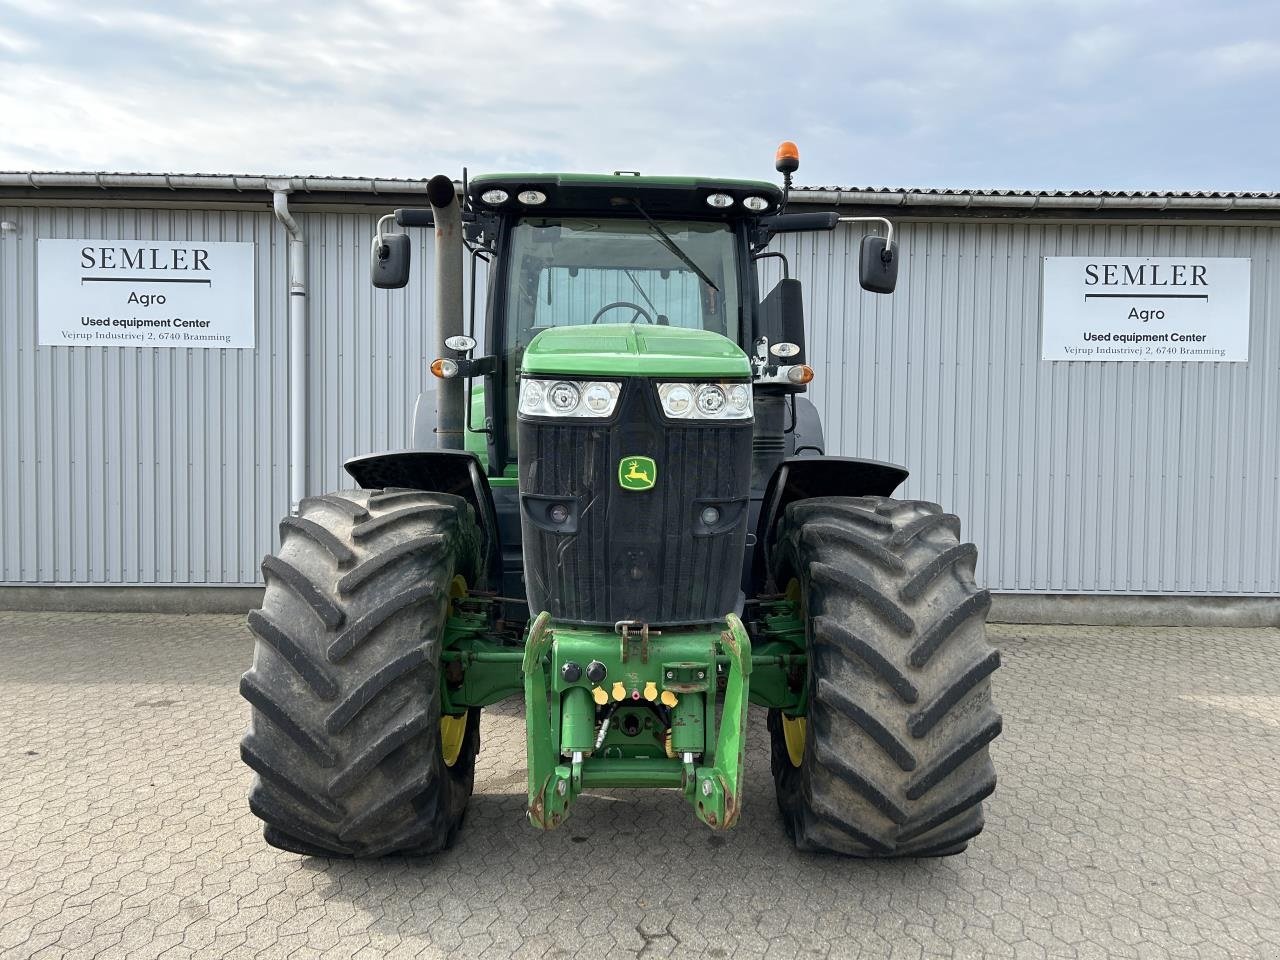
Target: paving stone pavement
(1138, 815)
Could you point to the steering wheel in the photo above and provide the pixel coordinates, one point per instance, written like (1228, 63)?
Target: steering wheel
(641, 312)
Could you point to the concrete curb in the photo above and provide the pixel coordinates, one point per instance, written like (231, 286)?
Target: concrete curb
(1092, 610)
(56, 599)
(1135, 611)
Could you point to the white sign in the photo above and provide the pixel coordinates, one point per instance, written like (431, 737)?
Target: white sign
(1145, 308)
(144, 293)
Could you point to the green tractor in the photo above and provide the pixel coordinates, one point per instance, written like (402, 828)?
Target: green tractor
(626, 515)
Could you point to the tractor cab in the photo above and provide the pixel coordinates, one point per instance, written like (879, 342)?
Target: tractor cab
(610, 256)
(625, 311)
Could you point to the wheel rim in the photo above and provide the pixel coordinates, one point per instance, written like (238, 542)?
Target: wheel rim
(793, 732)
(453, 729)
(795, 729)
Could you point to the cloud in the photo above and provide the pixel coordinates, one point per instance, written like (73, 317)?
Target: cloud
(978, 93)
(11, 42)
(1094, 49)
(1239, 59)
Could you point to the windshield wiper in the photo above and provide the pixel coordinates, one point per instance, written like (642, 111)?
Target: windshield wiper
(671, 245)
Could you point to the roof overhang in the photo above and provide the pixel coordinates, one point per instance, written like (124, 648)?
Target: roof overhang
(656, 194)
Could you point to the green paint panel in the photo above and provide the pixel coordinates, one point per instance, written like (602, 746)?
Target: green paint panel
(624, 350)
(477, 442)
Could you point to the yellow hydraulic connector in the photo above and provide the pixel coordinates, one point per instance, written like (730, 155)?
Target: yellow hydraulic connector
(669, 699)
(600, 695)
(619, 691)
(651, 691)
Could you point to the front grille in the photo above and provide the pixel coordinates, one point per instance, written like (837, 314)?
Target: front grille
(634, 555)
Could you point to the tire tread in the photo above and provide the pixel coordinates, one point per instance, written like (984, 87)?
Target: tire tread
(345, 688)
(897, 760)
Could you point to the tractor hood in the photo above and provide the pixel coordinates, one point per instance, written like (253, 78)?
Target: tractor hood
(632, 350)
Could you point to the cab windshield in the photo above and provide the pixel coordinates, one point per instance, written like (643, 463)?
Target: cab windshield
(579, 271)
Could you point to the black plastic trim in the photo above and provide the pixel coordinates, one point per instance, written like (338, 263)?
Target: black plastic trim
(537, 507)
(801, 478)
(440, 471)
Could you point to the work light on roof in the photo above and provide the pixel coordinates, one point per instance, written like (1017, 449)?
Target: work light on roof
(494, 197)
(720, 200)
(756, 204)
(531, 198)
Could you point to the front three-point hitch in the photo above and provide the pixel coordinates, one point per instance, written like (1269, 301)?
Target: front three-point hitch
(636, 708)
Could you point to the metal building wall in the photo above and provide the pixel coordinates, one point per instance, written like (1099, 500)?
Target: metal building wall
(1071, 477)
(170, 466)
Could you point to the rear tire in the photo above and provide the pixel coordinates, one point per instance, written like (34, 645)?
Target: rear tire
(895, 745)
(345, 685)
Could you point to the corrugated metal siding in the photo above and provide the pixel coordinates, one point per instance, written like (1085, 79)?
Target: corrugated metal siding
(127, 465)
(369, 348)
(159, 466)
(1071, 477)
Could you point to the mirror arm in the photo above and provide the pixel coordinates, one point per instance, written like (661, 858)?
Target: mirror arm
(786, 265)
(479, 367)
(424, 217)
(379, 233)
(888, 224)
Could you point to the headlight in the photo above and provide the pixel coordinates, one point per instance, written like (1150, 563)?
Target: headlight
(600, 399)
(564, 397)
(677, 399)
(706, 401)
(568, 398)
(711, 400)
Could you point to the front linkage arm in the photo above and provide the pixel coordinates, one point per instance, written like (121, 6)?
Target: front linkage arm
(674, 675)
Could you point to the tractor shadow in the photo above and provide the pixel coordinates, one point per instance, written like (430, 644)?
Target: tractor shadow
(637, 864)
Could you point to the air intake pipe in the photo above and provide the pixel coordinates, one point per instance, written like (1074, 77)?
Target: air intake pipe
(450, 402)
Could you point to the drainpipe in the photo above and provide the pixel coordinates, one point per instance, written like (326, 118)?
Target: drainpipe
(297, 345)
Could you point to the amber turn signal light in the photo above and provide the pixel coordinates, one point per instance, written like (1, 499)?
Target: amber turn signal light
(444, 369)
(801, 373)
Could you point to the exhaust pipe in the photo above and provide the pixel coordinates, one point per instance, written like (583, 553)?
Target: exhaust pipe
(450, 402)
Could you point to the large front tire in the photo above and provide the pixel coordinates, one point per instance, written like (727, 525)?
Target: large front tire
(346, 734)
(892, 759)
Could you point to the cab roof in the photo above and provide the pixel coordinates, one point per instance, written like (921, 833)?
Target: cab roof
(619, 192)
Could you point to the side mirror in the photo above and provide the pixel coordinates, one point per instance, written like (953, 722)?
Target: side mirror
(389, 261)
(878, 265)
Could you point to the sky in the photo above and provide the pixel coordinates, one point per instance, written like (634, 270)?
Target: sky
(964, 93)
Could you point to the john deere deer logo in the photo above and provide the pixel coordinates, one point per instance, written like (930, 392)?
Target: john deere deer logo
(637, 473)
